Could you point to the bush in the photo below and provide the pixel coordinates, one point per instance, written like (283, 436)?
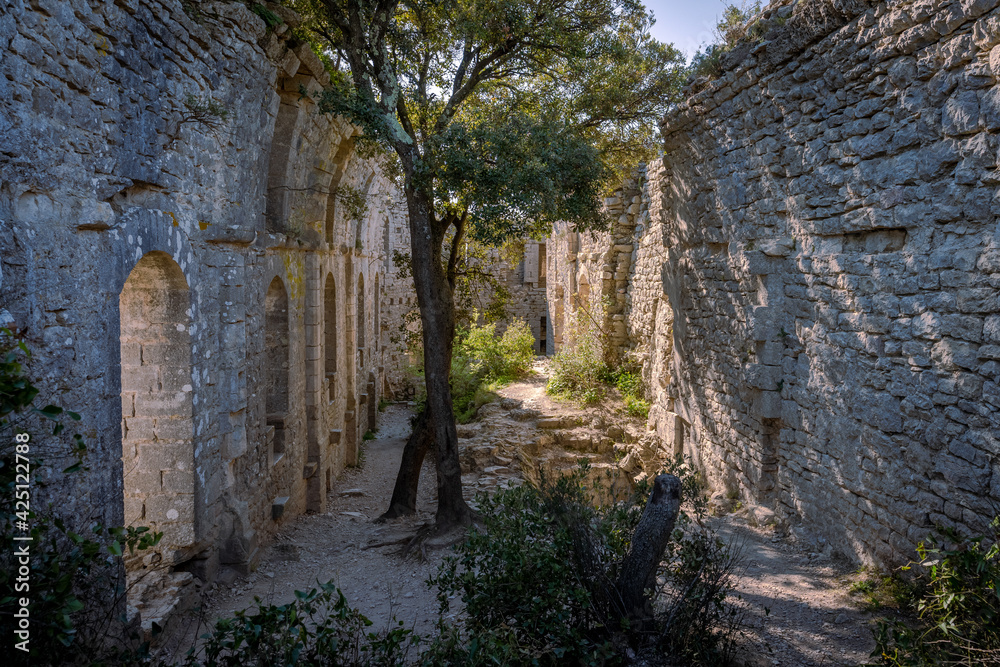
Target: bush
(498, 359)
(483, 361)
(884, 591)
(627, 378)
(534, 596)
(733, 27)
(959, 609)
(578, 371)
(317, 628)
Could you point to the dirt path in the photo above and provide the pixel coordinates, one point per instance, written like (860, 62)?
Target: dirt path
(811, 619)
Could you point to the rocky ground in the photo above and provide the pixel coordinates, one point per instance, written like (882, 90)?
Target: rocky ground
(797, 608)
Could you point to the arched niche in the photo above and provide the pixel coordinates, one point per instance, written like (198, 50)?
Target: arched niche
(157, 409)
(276, 366)
(330, 334)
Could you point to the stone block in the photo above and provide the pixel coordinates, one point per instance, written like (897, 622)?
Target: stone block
(173, 429)
(767, 405)
(961, 113)
(763, 324)
(759, 376)
(177, 481)
(759, 264)
(278, 507)
(164, 509)
(138, 429)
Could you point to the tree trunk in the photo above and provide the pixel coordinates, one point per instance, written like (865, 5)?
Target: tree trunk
(437, 316)
(404, 494)
(638, 572)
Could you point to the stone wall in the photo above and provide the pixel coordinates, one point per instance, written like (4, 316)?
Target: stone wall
(815, 273)
(176, 248)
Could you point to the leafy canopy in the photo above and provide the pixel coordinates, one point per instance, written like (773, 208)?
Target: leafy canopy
(511, 114)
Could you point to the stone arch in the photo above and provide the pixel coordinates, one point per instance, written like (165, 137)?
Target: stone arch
(279, 164)
(377, 316)
(361, 322)
(330, 335)
(350, 367)
(340, 162)
(359, 222)
(157, 408)
(276, 366)
(361, 325)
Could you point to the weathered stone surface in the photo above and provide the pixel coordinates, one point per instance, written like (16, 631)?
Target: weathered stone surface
(179, 273)
(813, 290)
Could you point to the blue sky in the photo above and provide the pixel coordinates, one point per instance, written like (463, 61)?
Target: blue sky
(686, 23)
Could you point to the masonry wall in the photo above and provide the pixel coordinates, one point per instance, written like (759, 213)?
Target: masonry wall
(816, 261)
(188, 280)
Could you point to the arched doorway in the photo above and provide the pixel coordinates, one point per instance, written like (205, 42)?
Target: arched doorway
(157, 419)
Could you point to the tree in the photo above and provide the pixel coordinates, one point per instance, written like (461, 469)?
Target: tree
(504, 116)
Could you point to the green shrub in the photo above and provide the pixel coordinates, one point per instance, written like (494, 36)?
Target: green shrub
(732, 28)
(317, 628)
(578, 371)
(534, 596)
(483, 361)
(959, 609)
(884, 591)
(498, 358)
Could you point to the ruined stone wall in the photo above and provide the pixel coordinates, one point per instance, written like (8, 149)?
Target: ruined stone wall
(826, 331)
(177, 249)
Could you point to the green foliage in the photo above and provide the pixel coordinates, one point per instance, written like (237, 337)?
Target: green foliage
(523, 581)
(354, 201)
(483, 361)
(369, 435)
(522, 589)
(708, 61)
(959, 608)
(537, 99)
(317, 628)
(520, 173)
(270, 18)
(734, 27)
(627, 378)
(383, 403)
(884, 591)
(205, 111)
(578, 370)
(498, 358)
